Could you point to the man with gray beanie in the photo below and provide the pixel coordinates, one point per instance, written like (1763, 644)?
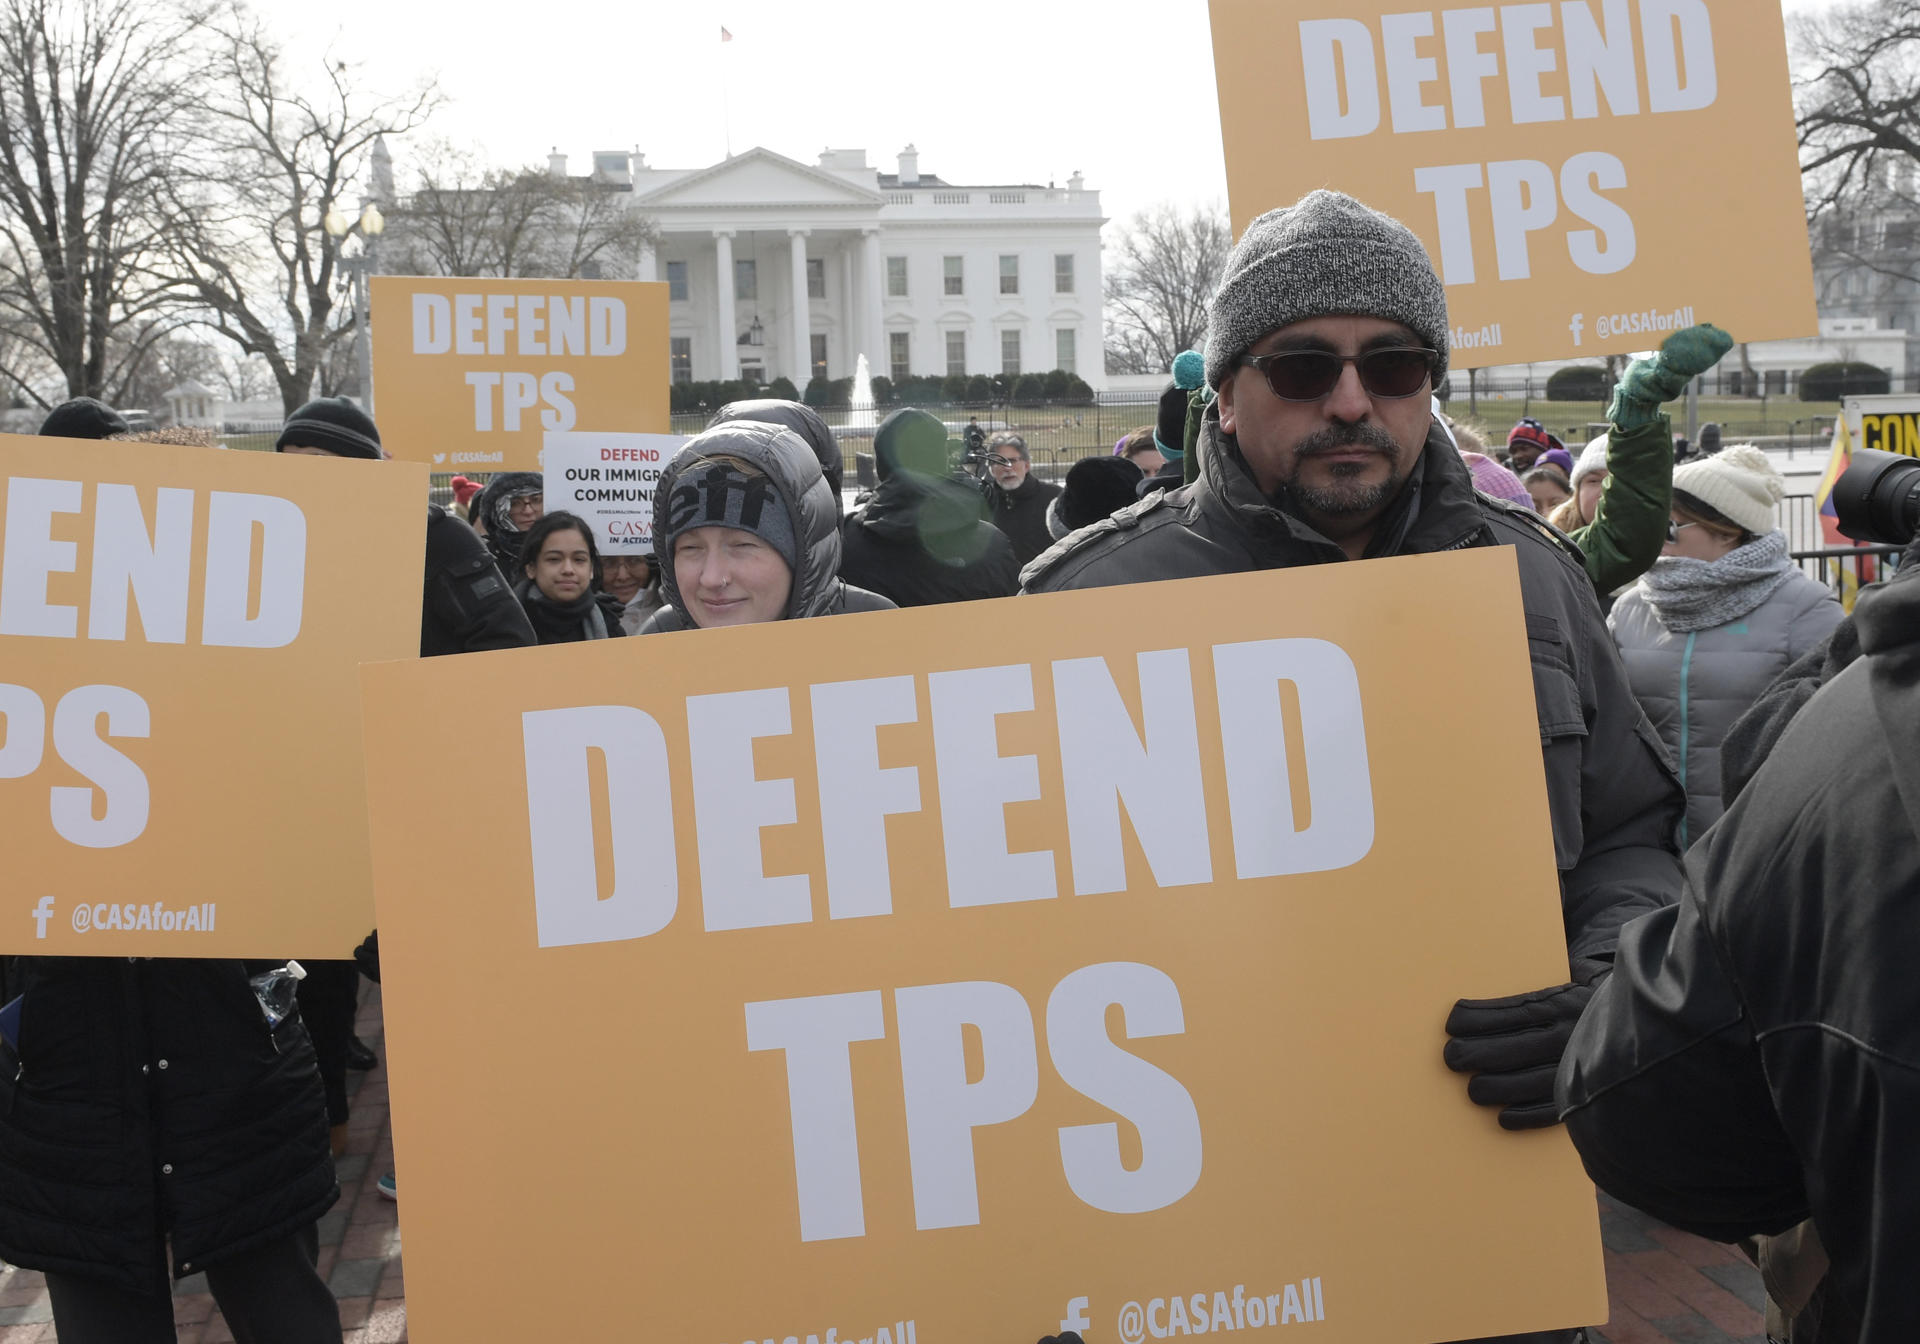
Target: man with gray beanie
(1326, 338)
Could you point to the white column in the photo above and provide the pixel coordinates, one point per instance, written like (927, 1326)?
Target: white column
(873, 327)
(728, 332)
(647, 266)
(802, 324)
(849, 305)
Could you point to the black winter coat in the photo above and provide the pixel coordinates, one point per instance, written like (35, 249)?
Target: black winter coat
(554, 625)
(149, 1097)
(1755, 1057)
(1021, 513)
(920, 541)
(467, 606)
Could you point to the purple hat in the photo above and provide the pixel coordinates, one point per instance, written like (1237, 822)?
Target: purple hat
(1558, 457)
(1490, 478)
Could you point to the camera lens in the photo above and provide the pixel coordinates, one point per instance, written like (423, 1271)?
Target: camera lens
(1877, 498)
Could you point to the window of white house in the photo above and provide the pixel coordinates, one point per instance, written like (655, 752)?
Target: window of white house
(680, 351)
(952, 272)
(898, 364)
(746, 279)
(956, 354)
(1010, 353)
(1064, 349)
(896, 277)
(1063, 273)
(818, 342)
(1010, 275)
(816, 278)
(677, 281)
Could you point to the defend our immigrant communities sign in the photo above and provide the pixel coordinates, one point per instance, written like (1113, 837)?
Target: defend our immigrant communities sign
(945, 974)
(609, 480)
(472, 374)
(180, 636)
(1566, 165)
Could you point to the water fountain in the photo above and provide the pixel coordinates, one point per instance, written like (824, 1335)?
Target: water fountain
(860, 406)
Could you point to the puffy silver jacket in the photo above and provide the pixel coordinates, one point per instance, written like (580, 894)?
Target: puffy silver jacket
(1694, 684)
(795, 472)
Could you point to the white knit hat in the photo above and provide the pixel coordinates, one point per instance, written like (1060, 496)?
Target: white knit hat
(1592, 458)
(1738, 482)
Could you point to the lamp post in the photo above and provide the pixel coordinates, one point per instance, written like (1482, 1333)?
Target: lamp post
(359, 268)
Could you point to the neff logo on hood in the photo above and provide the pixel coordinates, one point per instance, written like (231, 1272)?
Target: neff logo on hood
(720, 495)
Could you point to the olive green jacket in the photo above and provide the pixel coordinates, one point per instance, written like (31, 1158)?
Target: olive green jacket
(1630, 522)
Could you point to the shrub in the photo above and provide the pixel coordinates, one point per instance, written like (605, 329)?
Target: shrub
(783, 388)
(882, 390)
(954, 387)
(979, 389)
(1848, 378)
(1030, 388)
(1579, 382)
(819, 392)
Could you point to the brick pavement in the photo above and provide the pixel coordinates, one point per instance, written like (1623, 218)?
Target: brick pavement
(1664, 1286)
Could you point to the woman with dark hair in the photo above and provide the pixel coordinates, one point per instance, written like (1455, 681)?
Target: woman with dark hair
(1723, 611)
(561, 590)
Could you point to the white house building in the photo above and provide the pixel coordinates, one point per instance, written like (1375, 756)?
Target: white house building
(782, 268)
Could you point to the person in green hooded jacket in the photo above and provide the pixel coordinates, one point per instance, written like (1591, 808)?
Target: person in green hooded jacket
(1618, 513)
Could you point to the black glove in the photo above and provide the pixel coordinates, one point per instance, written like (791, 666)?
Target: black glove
(367, 956)
(1512, 1046)
(1070, 1337)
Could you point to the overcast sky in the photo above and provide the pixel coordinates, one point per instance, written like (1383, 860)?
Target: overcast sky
(989, 90)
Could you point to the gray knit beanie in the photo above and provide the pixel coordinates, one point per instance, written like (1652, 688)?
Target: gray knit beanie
(1327, 255)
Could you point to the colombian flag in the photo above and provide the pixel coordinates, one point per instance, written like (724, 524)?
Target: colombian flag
(1837, 462)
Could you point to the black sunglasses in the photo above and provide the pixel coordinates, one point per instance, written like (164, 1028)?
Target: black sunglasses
(1309, 375)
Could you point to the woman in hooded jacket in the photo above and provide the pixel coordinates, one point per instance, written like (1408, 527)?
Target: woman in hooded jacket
(746, 530)
(512, 502)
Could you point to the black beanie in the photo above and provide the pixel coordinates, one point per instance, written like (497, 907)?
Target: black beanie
(913, 439)
(83, 418)
(1094, 489)
(335, 424)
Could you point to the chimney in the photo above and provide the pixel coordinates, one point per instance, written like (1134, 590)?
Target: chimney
(556, 163)
(1076, 182)
(909, 166)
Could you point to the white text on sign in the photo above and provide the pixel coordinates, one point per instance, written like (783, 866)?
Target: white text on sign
(533, 325)
(143, 569)
(1433, 68)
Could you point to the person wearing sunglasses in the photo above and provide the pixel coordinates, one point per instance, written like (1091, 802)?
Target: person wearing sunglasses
(1326, 339)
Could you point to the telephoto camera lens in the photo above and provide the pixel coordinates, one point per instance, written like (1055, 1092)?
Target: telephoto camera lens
(1877, 498)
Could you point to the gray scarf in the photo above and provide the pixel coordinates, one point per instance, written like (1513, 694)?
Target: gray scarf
(1689, 594)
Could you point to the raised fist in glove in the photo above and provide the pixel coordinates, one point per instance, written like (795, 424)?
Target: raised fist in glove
(1647, 383)
(1512, 1046)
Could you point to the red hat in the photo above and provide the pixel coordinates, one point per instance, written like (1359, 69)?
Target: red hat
(1532, 431)
(464, 490)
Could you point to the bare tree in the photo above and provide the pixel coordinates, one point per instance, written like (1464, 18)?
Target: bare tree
(1166, 265)
(1857, 96)
(470, 219)
(97, 98)
(258, 257)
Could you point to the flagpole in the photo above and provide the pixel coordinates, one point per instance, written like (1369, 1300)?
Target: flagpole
(726, 90)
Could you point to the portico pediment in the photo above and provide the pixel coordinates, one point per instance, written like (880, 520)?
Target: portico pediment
(760, 179)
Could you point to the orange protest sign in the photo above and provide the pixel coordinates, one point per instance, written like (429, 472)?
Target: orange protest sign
(1564, 164)
(180, 636)
(959, 972)
(470, 374)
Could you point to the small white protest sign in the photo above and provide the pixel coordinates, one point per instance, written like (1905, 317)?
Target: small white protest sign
(608, 478)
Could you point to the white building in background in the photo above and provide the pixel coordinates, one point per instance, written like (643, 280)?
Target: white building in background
(782, 268)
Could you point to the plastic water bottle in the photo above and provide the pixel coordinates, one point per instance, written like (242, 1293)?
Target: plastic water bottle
(276, 989)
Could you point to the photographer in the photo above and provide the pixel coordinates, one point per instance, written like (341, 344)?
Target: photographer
(1754, 1060)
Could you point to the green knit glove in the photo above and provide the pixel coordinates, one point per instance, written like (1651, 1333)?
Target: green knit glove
(1647, 382)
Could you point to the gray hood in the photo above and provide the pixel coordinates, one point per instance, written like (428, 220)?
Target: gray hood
(790, 464)
(802, 420)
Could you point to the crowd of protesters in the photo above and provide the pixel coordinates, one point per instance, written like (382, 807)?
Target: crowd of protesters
(1734, 1045)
